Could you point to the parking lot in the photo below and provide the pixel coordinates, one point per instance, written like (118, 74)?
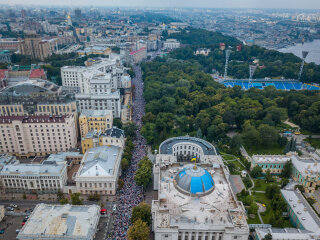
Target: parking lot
(10, 224)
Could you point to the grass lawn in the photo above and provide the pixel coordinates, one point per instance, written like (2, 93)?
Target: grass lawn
(255, 220)
(260, 185)
(315, 142)
(276, 149)
(261, 198)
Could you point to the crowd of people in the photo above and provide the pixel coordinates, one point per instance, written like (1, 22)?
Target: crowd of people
(131, 194)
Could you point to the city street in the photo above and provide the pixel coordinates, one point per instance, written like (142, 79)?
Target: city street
(131, 194)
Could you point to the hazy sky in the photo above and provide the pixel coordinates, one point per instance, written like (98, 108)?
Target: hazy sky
(313, 4)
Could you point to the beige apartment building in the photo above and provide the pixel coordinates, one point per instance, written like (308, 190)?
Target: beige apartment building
(40, 109)
(26, 136)
(95, 120)
(35, 47)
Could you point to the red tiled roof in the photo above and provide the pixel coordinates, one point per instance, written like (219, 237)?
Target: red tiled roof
(37, 73)
(2, 73)
(139, 50)
(34, 119)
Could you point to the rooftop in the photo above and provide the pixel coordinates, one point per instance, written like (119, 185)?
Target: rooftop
(166, 146)
(95, 113)
(194, 180)
(284, 233)
(61, 156)
(61, 222)
(37, 73)
(308, 219)
(34, 119)
(46, 168)
(101, 161)
(216, 209)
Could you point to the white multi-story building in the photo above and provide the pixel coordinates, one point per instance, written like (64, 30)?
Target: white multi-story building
(194, 201)
(63, 222)
(97, 85)
(26, 136)
(99, 171)
(47, 177)
(171, 44)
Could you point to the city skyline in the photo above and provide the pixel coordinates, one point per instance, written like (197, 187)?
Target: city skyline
(284, 4)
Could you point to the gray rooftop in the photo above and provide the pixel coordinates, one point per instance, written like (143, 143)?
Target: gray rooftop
(100, 162)
(61, 222)
(95, 113)
(46, 168)
(307, 217)
(166, 146)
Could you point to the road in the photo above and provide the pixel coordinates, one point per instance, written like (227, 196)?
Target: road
(131, 194)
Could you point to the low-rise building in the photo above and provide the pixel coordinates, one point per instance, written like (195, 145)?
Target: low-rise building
(203, 51)
(306, 170)
(63, 222)
(113, 136)
(47, 177)
(26, 136)
(95, 120)
(99, 171)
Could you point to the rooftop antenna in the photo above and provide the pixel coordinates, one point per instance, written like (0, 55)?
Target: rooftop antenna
(252, 69)
(304, 56)
(226, 65)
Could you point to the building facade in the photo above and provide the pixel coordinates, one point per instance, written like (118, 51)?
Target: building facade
(192, 197)
(306, 170)
(99, 171)
(98, 86)
(171, 44)
(95, 120)
(113, 136)
(35, 47)
(26, 136)
(139, 55)
(48, 177)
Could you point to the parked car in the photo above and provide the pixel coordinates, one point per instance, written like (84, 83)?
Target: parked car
(10, 209)
(17, 230)
(23, 223)
(2, 231)
(114, 207)
(13, 205)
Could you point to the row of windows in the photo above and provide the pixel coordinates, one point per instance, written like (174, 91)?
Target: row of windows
(25, 177)
(96, 185)
(270, 166)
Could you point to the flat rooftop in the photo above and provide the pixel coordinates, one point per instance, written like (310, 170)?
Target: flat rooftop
(302, 210)
(216, 209)
(271, 158)
(61, 222)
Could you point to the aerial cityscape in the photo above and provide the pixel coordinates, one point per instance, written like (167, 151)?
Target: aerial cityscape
(159, 120)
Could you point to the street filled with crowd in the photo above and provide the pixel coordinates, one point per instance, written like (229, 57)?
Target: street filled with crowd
(131, 194)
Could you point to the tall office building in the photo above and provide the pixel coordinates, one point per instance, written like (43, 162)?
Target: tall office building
(77, 13)
(35, 47)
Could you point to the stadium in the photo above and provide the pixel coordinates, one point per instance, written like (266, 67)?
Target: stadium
(279, 84)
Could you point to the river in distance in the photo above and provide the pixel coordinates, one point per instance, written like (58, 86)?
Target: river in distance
(313, 48)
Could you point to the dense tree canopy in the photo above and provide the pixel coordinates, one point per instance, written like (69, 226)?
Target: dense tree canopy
(181, 99)
(271, 63)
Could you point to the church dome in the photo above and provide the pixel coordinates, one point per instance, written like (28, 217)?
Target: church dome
(194, 180)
